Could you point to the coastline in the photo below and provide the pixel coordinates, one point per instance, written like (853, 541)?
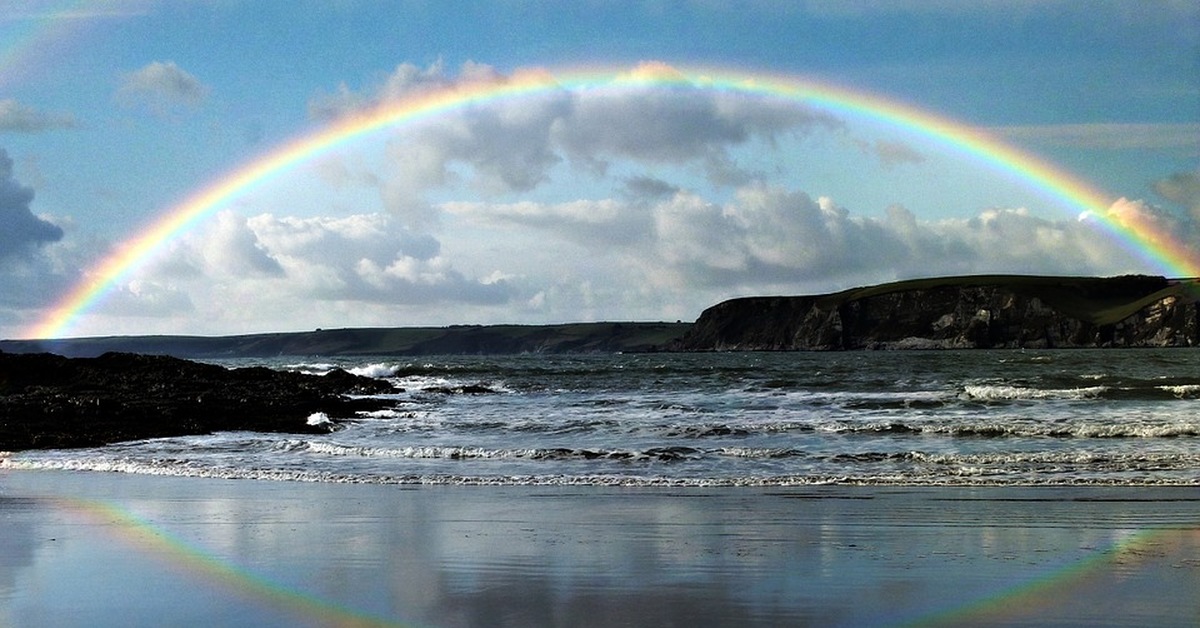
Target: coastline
(90, 548)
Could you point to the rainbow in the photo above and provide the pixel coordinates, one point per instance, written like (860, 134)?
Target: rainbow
(1045, 591)
(146, 537)
(1154, 244)
(26, 34)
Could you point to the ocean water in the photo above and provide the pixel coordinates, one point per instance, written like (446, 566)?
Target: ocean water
(1123, 417)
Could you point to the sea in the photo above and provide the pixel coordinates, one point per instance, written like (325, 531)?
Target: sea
(949, 418)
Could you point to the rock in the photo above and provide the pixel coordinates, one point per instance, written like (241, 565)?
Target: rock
(960, 313)
(51, 401)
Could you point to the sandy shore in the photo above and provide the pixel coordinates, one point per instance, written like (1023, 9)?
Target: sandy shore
(94, 549)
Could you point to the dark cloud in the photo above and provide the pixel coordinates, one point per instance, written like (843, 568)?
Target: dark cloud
(19, 118)
(673, 126)
(22, 231)
(895, 153)
(649, 188)
(1182, 188)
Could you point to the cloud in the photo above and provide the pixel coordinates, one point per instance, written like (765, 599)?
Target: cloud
(20, 118)
(512, 146)
(232, 249)
(1182, 188)
(37, 263)
(649, 187)
(162, 87)
(770, 236)
(772, 239)
(891, 153)
(366, 257)
(667, 126)
(268, 272)
(21, 231)
(601, 223)
(662, 255)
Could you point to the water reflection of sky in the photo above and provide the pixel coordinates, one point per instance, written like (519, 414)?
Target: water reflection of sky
(111, 549)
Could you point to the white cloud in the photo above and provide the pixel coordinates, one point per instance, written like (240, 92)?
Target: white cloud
(771, 239)
(654, 258)
(162, 87)
(20, 118)
(231, 248)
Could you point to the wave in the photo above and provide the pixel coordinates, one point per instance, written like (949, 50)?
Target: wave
(998, 429)
(312, 368)
(1182, 391)
(659, 454)
(377, 370)
(1002, 392)
(1126, 391)
(164, 468)
(1154, 427)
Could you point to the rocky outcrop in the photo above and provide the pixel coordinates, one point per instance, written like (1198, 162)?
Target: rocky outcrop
(960, 313)
(51, 401)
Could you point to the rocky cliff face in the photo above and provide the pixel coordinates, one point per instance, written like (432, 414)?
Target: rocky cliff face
(960, 313)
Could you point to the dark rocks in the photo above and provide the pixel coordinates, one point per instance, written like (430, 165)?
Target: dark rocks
(961, 313)
(51, 401)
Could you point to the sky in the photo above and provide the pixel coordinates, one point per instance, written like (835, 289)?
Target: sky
(584, 200)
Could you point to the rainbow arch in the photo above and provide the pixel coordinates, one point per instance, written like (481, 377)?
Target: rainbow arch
(209, 569)
(1155, 245)
(23, 37)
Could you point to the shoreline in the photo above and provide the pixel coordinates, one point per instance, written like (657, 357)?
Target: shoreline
(94, 548)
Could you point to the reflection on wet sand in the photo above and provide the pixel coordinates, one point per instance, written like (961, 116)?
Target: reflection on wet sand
(146, 550)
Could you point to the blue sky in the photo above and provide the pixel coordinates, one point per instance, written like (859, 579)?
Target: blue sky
(548, 209)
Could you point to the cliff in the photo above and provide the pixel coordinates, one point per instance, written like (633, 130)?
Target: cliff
(996, 311)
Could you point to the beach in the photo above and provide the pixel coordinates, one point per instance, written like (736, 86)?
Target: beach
(107, 549)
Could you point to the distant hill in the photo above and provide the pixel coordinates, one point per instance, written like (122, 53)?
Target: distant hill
(984, 311)
(454, 340)
(990, 311)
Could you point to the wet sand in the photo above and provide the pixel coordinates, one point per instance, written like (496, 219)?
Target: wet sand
(96, 549)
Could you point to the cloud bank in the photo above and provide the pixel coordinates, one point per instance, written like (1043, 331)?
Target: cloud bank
(662, 218)
(613, 258)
